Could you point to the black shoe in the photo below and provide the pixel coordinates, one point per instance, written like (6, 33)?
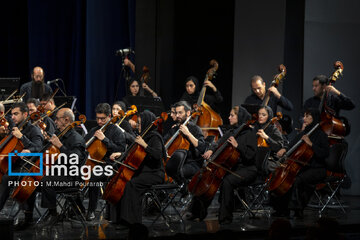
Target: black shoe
(225, 221)
(299, 214)
(23, 225)
(90, 216)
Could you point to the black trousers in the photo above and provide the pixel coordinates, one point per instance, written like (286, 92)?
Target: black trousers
(94, 191)
(230, 182)
(301, 191)
(180, 167)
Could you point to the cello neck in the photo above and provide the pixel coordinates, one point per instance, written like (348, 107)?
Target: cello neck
(172, 139)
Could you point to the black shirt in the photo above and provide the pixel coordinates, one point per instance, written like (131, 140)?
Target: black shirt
(32, 138)
(333, 101)
(74, 143)
(26, 88)
(273, 102)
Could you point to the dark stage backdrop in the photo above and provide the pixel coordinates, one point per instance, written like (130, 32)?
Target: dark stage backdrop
(71, 40)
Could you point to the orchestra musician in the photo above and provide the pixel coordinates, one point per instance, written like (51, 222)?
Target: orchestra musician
(49, 104)
(150, 172)
(125, 125)
(190, 159)
(71, 143)
(36, 87)
(335, 100)
(32, 139)
(191, 94)
(114, 140)
(5, 129)
(32, 104)
(312, 173)
(258, 87)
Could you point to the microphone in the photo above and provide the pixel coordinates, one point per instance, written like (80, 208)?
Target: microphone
(53, 81)
(124, 52)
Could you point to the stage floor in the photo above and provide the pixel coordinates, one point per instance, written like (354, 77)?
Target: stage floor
(242, 227)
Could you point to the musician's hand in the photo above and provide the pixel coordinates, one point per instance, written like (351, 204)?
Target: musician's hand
(16, 132)
(332, 89)
(307, 140)
(274, 91)
(233, 142)
(55, 141)
(262, 134)
(139, 140)
(146, 87)
(2, 130)
(115, 155)
(281, 152)
(184, 130)
(174, 125)
(207, 154)
(133, 124)
(99, 134)
(208, 83)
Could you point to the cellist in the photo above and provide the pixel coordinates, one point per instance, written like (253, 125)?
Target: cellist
(246, 144)
(114, 141)
(32, 139)
(299, 195)
(150, 172)
(190, 158)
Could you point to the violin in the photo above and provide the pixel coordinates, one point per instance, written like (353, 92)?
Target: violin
(332, 126)
(24, 191)
(10, 144)
(261, 142)
(126, 166)
(207, 180)
(208, 120)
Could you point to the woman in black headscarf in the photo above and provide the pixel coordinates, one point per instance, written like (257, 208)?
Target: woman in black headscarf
(245, 143)
(150, 172)
(191, 94)
(271, 135)
(299, 195)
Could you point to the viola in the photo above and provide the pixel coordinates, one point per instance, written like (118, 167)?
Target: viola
(10, 144)
(208, 120)
(207, 180)
(292, 162)
(24, 191)
(261, 142)
(126, 166)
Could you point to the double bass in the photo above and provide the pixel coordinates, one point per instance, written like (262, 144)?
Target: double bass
(207, 180)
(22, 192)
(127, 165)
(208, 120)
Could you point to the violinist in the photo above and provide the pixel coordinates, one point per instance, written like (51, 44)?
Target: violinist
(150, 172)
(114, 140)
(191, 159)
(270, 139)
(32, 104)
(49, 104)
(37, 87)
(246, 144)
(32, 139)
(258, 88)
(71, 143)
(4, 129)
(312, 173)
(335, 100)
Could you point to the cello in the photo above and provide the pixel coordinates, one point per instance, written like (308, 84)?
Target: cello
(261, 142)
(208, 120)
(207, 180)
(128, 163)
(22, 192)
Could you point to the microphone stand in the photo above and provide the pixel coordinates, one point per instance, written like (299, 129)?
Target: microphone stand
(125, 74)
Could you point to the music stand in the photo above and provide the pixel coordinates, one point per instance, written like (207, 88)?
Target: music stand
(69, 100)
(155, 105)
(7, 86)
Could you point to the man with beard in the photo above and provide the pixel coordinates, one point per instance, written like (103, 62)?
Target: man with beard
(190, 159)
(36, 88)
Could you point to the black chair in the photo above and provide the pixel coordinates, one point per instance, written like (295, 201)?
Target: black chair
(329, 189)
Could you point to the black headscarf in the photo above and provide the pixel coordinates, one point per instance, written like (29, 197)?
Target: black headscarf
(140, 87)
(191, 98)
(270, 116)
(243, 116)
(316, 118)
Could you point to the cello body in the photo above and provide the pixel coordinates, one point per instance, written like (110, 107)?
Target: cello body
(10, 144)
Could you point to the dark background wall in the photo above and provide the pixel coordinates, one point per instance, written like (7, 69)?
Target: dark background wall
(76, 41)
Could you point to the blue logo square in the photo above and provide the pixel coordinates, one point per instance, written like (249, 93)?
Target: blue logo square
(40, 155)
